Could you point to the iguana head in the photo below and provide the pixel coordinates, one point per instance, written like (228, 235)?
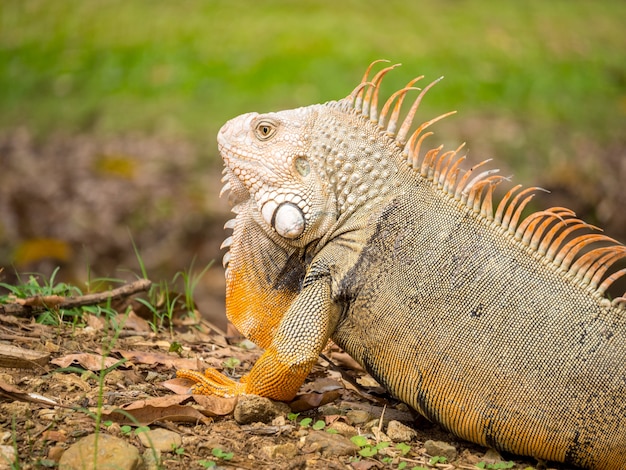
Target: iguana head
(270, 156)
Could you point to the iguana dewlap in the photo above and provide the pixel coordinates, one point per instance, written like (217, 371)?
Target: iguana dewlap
(494, 325)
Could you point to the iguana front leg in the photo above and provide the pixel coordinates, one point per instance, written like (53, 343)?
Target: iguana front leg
(281, 370)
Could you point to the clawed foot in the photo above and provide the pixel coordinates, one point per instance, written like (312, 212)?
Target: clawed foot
(212, 383)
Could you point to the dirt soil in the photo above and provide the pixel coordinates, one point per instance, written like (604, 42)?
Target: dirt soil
(76, 376)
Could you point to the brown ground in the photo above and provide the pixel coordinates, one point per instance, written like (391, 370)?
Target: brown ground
(69, 372)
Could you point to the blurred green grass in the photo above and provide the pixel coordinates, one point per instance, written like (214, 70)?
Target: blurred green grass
(183, 68)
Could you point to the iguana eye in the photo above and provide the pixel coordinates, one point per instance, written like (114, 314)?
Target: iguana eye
(264, 130)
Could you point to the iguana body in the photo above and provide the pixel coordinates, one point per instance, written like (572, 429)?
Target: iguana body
(495, 326)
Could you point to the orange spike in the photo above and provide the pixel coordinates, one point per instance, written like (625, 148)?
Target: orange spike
(518, 213)
(578, 224)
(393, 121)
(440, 165)
(563, 231)
(529, 224)
(537, 236)
(453, 173)
(594, 273)
(426, 124)
(601, 268)
(502, 204)
(357, 93)
(477, 180)
(506, 221)
(370, 102)
(566, 255)
(610, 280)
(586, 261)
(408, 120)
(486, 210)
(400, 93)
(475, 196)
(413, 149)
(460, 188)
(427, 162)
(447, 167)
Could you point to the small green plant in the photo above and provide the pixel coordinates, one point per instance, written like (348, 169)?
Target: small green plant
(207, 463)
(367, 449)
(230, 364)
(36, 286)
(437, 459)
(190, 282)
(495, 465)
(305, 422)
(403, 447)
(176, 348)
(220, 454)
(319, 425)
(293, 416)
(126, 430)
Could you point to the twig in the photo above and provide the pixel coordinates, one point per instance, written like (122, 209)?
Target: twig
(39, 303)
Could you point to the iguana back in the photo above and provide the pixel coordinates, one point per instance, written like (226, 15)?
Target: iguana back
(458, 321)
(494, 325)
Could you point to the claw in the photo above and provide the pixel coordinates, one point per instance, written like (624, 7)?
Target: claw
(212, 383)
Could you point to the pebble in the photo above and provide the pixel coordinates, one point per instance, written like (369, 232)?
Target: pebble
(286, 451)
(152, 459)
(7, 456)
(399, 432)
(160, 439)
(357, 417)
(441, 449)
(113, 452)
(329, 445)
(343, 429)
(255, 409)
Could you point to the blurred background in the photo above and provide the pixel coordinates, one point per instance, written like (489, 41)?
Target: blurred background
(109, 111)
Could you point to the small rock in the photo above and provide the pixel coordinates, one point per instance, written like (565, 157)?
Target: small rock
(379, 435)
(329, 410)
(329, 445)
(286, 451)
(112, 453)
(357, 417)
(398, 432)
(440, 448)
(492, 456)
(343, 429)
(7, 456)
(160, 439)
(255, 409)
(152, 459)
(54, 453)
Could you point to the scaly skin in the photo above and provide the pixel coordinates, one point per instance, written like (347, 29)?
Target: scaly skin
(495, 326)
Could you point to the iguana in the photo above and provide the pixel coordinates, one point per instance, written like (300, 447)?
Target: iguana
(494, 325)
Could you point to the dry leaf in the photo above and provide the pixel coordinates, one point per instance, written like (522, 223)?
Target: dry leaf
(92, 362)
(178, 385)
(308, 401)
(136, 323)
(145, 412)
(215, 406)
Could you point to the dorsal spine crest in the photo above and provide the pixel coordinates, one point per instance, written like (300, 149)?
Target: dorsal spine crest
(586, 258)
